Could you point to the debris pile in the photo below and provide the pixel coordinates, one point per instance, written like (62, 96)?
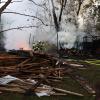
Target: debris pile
(75, 53)
(31, 72)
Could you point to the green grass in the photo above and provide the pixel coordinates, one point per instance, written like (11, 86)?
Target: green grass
(93, 62)
(92, 73)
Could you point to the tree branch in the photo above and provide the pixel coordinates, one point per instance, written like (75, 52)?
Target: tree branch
(17, 28)
(39, 5)
(28, 16)
(4, 6)
(11, 1)
(36, 3)
(55, 17)
(63, 4)
(79, 7)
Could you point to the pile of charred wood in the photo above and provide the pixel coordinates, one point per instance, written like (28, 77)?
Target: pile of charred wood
(31, 71)
(29, 66)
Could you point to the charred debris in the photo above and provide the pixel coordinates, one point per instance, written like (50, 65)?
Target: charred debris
(87, 49)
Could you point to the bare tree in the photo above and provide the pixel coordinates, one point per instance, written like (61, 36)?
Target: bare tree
(56, 19)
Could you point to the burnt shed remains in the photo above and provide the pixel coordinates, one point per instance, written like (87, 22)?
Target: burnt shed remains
(92, 44)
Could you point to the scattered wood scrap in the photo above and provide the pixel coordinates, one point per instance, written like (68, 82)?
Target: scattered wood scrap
(30, 67)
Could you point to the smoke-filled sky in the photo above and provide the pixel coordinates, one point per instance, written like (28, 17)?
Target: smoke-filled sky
(16, 39)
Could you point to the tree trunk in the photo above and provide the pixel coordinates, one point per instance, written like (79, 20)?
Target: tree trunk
(55, 17)
(1, 34)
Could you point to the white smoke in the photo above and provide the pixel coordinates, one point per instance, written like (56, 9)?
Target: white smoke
(68, 30)
(16, 39)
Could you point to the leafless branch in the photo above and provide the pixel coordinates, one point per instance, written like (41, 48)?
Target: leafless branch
(17, 28)
(40, 5)
(4, 6)
(79, 6)
(28, 16)
(63, 4)
(11, 1)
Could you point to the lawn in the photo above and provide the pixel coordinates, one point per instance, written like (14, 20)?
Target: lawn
(94, 62)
